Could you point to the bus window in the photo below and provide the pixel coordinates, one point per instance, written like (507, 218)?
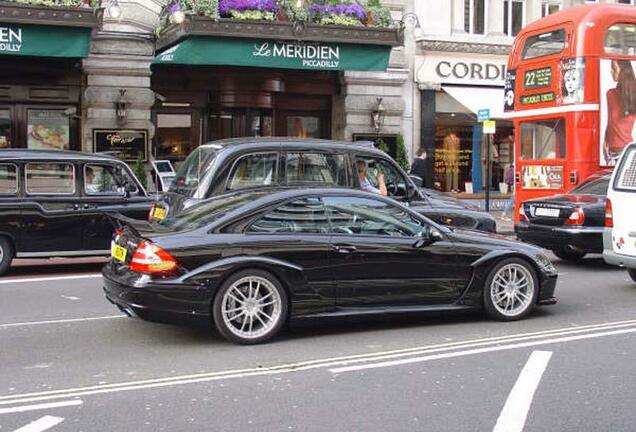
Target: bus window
(543, 140)
(621, 39)
(544, 44)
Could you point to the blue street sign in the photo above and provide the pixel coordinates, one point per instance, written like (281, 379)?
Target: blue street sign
(483, 115)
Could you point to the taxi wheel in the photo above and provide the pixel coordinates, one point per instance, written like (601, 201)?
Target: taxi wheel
(6, 255)
(632, 274)
(250, 307)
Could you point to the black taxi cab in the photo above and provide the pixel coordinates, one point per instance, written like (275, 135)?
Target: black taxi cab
(52, 203)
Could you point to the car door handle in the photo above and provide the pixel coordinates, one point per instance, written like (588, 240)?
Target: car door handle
(344, 249)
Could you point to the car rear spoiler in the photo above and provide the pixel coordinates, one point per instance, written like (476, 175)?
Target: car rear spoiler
(136, 226)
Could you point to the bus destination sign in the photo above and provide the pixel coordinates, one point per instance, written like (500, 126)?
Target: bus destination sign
(537, 78)
(537, 98)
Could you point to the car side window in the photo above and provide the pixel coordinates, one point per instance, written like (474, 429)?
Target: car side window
(50, 178)
(300, 216)
(315, 168)
(105, 179)
(366, 216)
(394, 180)
(258, 169)
(8, 179)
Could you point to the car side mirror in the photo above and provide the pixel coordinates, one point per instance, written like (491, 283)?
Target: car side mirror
(429, 237)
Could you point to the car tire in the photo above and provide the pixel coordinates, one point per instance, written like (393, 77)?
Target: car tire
(569, 254)
(250, 307)
(632, 273)
(510, 290)
(6, 255)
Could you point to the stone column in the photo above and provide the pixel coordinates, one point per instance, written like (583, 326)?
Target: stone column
(495, 14)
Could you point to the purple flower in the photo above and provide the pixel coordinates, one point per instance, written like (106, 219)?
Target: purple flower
(353, 9)
(175, 7)
(226, 6)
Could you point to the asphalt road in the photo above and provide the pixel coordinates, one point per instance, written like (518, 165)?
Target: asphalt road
(69, 361)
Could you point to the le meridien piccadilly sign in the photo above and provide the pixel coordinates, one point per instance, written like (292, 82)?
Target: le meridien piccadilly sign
(10, 40)
(201, 50)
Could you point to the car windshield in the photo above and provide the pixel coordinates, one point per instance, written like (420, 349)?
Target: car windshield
(207, 211)
(192, 170)
(594, 186)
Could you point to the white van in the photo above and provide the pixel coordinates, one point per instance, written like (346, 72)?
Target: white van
(619, 237)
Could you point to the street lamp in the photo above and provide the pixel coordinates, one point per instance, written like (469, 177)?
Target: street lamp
(377, 116)
(121, 105)
(412, 20)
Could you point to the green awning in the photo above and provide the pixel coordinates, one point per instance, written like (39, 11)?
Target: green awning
(206, 50)
(44, 41)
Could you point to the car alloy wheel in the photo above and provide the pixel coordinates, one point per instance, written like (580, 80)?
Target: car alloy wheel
(250, 308)
(510, 290)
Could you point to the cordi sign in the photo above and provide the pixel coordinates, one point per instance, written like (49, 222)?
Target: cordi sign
(10, 40)
(445, 69)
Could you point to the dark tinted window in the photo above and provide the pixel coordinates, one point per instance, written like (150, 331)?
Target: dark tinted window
(594, 186)
(50, 178)
(316, 168)
(192, 170)
(366, 216)
(8, 179)
(544, 44)
(258, 169)
(300, 216)
(106, 180)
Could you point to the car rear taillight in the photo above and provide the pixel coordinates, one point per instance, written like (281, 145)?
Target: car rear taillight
(150, 258)
(522, 213)
(151, 213)
(609, 215)
(576, 218)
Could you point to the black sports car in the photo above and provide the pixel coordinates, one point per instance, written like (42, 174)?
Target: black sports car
(572, 224)
(249, 261)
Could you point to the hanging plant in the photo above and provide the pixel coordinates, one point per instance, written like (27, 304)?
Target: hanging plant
(378, 15)
(343, 12)
(255, 10)
(293, 10)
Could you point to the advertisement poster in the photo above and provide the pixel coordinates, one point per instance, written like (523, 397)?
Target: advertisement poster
(542, 177)
(48, 130)
(618, 108)
(572, 80)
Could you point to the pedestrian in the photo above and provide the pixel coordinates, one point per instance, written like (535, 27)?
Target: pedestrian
(510, 181)
(418, 168)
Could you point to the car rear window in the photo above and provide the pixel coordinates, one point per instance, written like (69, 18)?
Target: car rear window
(190, 173)
(544, 44)
(8, 179)
(627, 171)
(50, 178)
(593, 186)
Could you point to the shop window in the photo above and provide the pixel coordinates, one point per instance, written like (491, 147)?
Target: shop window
(543, 140)
(551, 6)
(300, 216)
(303, 126)
(514, 16)
(316, 168)
(627, 2)
(241, 123)
(253, 170)
(48, 129)
(475, 16)
(6, 138)
(621, 39)
(50, 178)
(173, 136)
(8, 179)
(544, 44)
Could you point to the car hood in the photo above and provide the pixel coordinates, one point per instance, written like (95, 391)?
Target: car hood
(491, 239)
(441, 199)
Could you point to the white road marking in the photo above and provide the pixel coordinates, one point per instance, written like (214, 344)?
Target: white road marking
(24, 408)
(50, 278)
(594, 331)
(515, 410)
(60, 321)
(70, 297)
(479, 351)
(42, 424)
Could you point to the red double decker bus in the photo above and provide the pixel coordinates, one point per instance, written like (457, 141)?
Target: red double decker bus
(571, 93)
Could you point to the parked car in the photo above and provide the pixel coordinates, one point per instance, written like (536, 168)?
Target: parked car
(52, 203)
(619, 238)
(249, 261)
(252, 163)
(570, 225)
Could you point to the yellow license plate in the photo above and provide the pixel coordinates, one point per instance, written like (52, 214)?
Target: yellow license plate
(118, 253)
(159, 213)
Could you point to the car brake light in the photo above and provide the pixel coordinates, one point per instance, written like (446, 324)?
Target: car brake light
(151, 213)
(609, 215)
(522, 213)
(150, 258)
(576, 218)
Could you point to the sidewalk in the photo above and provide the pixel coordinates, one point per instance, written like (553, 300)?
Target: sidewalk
(506, 228)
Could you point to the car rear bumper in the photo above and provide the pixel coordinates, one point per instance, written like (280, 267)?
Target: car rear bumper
(551, 237)
(167, 302)
(612, 257)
